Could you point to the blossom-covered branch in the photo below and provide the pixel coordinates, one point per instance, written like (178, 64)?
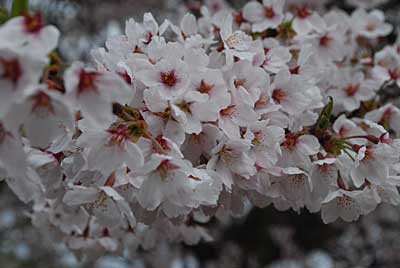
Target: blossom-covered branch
(173, 125)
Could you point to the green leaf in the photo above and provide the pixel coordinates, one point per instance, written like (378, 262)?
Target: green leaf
(324, 120)
(19, 7)
(4, 16)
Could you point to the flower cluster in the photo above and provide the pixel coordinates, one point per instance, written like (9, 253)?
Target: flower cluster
(173, 125)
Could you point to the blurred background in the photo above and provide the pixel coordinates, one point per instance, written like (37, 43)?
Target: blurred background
(87, 23)
(265, 238)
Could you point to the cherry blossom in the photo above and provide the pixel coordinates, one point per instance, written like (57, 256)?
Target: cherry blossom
(43, 109)
(327, 41)
(19, 73)
(295, 187)
(171, 182)
(370, 25)
(285, 92)
(168, 78)
(305, 19)
(28, 33)
(348, 205)
(276, 56)
(388, 116)
(11, 152)
(235, 43)
(112, 147)
(324, 176)
(372, 163)
(387, 65)
(269, 14)
(232, 157)
(351, 89)
(106, 204)
(93, 92)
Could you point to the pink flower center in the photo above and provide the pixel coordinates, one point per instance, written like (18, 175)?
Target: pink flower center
(59, 157)
(371, 27)
(87, 81)
(279, 95)
(119, 134)
(33, 24)
(295, 70)
(185, 106)
(169, 78)
(324, 41)
(42, 100)
(297, 180)
(258, 138)
(351, 90)
(262, 101)
(303, 12)
(165, 167)
(343, 131)
(325, 168)
(227, 153)
(228, 111)
(394, 74)
(239, 19)
(345, 202)
(290, 141)
(269, 12)
(204, 87)
(163, 143)
(11, 70)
